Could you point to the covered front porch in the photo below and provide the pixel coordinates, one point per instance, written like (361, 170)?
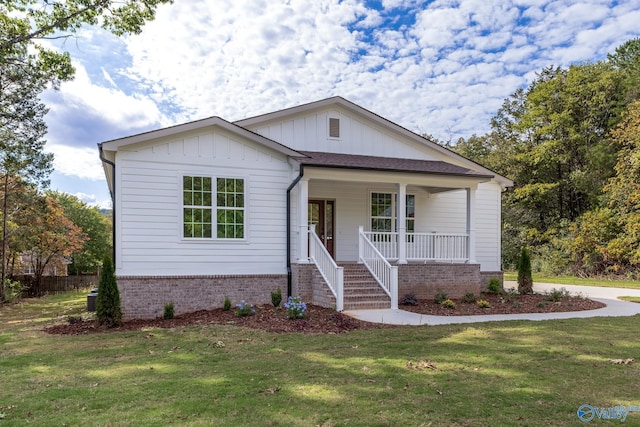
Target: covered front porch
(385, 220)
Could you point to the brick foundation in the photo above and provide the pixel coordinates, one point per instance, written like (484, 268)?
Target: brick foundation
(425, 280)
(145, 297)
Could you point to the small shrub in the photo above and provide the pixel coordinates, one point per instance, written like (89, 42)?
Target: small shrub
(168, 311)
(448, 303)
(13, 290)
(244, 309)
(296, 309)
(525, 279)
(509, 295)
(227, 304)
(72, 320)
(494, 286)
(440, 297)
(276, 297)
(483, 303)
(557, 294)
(542, 304)
(409, 299)
(468, 298)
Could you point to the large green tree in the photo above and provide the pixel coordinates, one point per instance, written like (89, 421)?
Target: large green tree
(554, 139)
(27, 68)
(95, 225)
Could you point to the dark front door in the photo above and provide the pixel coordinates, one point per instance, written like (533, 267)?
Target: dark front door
(321, 214)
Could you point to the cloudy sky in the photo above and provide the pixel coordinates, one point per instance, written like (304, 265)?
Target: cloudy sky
(441, 67)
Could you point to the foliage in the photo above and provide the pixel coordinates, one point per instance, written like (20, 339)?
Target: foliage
(296, 309)
(276, 297)
(468, 298)
(51, 235)
(525, 279)
(245, 309)
(494, 286)
(556, 295)
(559, 140)
(95, 225)
(169, 311)
(440, 296)
(108, 310)
(448, 303)
(227, 304)
(409, 299)
(12, 290)
(483, 303)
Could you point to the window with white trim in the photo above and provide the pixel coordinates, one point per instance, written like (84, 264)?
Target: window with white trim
(384, 212)
(205, 211)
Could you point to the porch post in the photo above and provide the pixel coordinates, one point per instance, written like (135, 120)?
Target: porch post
(402, 223)
(471, 225)
(303, 224)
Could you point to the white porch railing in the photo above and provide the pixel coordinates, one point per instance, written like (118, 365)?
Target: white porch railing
(331, 273)
(423, 246)
(385, 274)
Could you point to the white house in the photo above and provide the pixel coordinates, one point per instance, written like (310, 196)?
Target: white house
(325, 200)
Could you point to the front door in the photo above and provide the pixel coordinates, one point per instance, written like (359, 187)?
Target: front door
(321, 214)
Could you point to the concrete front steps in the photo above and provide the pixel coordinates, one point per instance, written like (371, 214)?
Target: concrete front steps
(361, 291)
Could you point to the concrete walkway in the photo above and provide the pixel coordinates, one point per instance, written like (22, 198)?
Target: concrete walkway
(608, 296)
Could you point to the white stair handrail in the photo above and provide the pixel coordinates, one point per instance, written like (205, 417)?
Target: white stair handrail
(385, 274)
(331, 273)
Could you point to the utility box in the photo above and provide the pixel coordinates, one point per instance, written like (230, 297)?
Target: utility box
(91, 300)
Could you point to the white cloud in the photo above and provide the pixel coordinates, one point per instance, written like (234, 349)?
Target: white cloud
(81, 163)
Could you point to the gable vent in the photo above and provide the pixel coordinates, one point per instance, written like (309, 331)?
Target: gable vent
(334, 128)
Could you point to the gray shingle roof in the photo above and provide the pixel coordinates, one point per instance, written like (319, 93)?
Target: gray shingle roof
(391, 164)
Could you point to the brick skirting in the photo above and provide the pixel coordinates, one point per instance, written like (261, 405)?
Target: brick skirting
(426, 280)
(145, 297)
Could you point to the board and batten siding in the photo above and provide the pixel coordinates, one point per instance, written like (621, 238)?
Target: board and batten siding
(310, 132)
(149, 197)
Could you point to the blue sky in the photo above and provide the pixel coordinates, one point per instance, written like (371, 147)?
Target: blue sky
(437, 67)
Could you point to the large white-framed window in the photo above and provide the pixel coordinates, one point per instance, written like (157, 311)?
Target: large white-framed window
(384, 209)
(213, 207)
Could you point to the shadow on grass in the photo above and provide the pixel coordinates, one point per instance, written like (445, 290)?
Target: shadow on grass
(503, 373)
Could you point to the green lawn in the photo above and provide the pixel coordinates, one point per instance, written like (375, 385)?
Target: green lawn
(569, 280)
(488, 374)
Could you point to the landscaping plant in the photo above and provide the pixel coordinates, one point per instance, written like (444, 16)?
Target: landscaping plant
(276, 298)
(108, 310)
(296, 309)
(525, 280)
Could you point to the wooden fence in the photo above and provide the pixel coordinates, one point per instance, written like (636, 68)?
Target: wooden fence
(56, 284)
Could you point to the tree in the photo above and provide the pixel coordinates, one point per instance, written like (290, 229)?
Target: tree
(108, 309)
(95, 225)
(23, 77)
(37, 19)
(52, 235)
(525, 280)
(27, 69)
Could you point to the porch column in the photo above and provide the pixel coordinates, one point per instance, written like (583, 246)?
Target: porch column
(471, 224)
(303, 221)
(402, 223)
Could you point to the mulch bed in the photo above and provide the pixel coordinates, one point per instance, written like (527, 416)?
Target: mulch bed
(327, 321)
(506, 304)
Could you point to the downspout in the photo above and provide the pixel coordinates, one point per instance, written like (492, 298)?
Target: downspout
(113, 203)
(293, 184)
